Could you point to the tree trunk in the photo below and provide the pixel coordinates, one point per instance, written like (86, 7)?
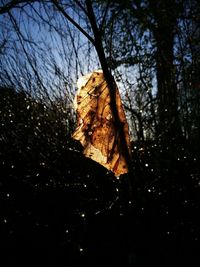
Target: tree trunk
(109, 79)
(165, 21)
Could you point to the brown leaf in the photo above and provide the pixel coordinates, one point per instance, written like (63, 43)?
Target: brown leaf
(95, 125)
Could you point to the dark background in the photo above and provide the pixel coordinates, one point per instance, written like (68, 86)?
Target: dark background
(58, 208)
(65, 208)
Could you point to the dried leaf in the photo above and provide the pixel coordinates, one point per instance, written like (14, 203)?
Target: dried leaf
(95, 126)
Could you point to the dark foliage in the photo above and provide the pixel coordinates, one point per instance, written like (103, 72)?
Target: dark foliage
(52, 197)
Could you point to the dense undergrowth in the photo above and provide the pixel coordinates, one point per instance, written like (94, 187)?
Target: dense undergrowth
(51, 196)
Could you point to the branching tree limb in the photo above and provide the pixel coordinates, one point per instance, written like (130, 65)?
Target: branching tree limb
(97, 42)
(108, 77)
(60, 8)
(13, 4)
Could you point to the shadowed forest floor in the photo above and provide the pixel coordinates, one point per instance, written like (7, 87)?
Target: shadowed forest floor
(58, 208)
(85, 220)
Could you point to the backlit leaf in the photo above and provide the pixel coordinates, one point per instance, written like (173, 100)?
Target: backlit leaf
(95, 124)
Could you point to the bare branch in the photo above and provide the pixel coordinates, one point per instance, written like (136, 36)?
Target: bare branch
(13, 4)
(109, 79)
(60, 8)
(104, 16)
(81, 6)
